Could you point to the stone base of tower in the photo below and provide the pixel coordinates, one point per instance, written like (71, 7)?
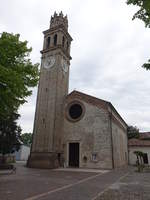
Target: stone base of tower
(43, 160)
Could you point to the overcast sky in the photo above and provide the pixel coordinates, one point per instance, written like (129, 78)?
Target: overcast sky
(107, 51)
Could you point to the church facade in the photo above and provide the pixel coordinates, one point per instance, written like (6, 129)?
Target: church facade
(76, 129)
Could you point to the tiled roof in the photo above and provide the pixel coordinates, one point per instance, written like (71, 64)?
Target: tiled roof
(89, 99)
(144, 135)
(138, 142)
(96, 102)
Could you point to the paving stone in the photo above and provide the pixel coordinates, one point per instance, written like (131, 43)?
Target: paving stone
(120, 184)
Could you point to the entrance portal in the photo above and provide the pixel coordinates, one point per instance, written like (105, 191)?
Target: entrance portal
(73, 154)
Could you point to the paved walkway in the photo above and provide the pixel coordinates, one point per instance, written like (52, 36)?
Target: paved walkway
(82, 170)
(86, 189)
(134, 186)
(32, 184)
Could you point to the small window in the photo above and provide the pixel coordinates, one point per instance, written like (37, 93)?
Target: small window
(63, 41)
(55, 40)
(48, 42)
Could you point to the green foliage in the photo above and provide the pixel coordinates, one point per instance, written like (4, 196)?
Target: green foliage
(17, 77)
(9, 134)
(139, 162)
(146, 65)
(144, 12)
(133, 132)
(26, 138)
(17, 73)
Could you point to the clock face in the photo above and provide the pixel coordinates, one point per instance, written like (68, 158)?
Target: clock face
(49, 62)
(65, 66)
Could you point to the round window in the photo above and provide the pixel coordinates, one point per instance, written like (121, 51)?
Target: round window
(75, 111)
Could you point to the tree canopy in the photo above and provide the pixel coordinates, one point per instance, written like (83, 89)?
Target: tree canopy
(17, 78)
(133, 132)
(26, 138)
(140, 160)
(143, 14)
(17, 73)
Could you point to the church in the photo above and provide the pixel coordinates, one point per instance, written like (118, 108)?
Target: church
(76, 129)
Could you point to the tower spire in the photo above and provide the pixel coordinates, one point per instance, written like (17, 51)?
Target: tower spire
(59, 20)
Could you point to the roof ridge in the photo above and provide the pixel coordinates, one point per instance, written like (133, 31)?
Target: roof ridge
(97, 102)
(76, 91)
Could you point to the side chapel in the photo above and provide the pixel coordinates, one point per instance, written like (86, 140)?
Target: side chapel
(76, 129)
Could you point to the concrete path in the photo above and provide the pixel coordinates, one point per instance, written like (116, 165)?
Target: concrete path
(32, 184)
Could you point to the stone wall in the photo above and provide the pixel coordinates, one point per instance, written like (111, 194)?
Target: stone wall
(93, 134)
(120, 148)
(53, 88)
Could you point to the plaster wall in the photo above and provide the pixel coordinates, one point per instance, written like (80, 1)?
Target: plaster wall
(23, 153)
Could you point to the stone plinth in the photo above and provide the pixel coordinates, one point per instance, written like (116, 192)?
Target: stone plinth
(43, 160)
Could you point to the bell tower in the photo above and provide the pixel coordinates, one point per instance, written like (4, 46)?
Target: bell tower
(53, 87)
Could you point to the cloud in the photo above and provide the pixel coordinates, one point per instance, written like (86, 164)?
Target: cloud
(108, 49)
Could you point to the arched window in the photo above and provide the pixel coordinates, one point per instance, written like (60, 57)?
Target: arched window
(63, 41)
(55, 39)
(48, 42)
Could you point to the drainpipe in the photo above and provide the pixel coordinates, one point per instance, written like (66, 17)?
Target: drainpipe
(112, 147)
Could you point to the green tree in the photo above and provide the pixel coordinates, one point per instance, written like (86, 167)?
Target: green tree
(143, 14)
(17, 73)
(17, 78)
(26, 138)
(9, 134)
(133, 132)
(139, 161)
